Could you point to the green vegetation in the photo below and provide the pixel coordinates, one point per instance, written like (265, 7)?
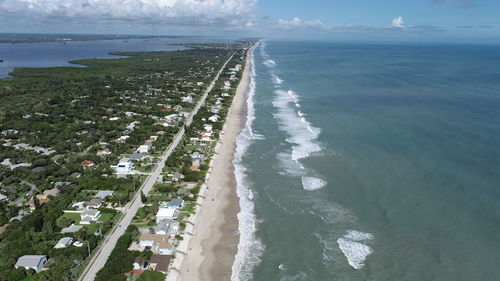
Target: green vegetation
(151, 276)
(67, 116)
(121, 259)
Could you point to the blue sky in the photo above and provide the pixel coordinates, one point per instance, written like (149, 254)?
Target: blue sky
(425, 20)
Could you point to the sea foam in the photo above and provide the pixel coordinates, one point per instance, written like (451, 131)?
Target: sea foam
(249, 247)
(312, 183)
(270, 63)
(355, 251)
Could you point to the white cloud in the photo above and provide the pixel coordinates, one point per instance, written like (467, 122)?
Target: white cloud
(298, 23)
(397, 26)
(458, 3)
(179, 12)
(398, 22)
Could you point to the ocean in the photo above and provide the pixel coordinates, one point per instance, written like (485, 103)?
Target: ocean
(370, 162)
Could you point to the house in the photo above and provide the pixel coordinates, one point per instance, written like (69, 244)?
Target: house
(214, 118)
(51, 192)
(159, 244)
(103, 152)
(125, 166)
(78, 206)
(159, 263)
(104, 193)
(167, 213)
(177, 177)
(89, 216)
(144, 149)
(88, 164)
(63, 183)
(94, 203)
(194, 167)
(78, 244)
(187, 99)
(182, 191)
(136, 156)
(71, 229)
(75, 175)
(176, 203)
(63, 242)
(3, 198)
(167, 227)
(35, 262)
(20, 215)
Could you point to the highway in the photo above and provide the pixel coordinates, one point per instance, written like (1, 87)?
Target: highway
(129, 211)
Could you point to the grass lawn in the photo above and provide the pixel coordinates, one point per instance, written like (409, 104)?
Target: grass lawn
(73, 216)
(35, 277)
(92, 228)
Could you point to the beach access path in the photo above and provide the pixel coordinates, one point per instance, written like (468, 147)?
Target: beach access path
(101, 256)
(211, 236)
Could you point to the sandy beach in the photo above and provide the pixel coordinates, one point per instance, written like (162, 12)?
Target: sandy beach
(210, 243)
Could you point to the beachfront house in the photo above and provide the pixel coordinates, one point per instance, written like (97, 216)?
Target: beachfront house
(158, 263)
(89, 216)
(168, 213)
(35, 262)
(167, 227)
(176, 203)
(158, 244)
(63, 242)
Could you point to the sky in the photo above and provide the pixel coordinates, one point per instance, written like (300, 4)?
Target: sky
(423, 20)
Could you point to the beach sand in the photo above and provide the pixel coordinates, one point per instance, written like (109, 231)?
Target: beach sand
(210, 243)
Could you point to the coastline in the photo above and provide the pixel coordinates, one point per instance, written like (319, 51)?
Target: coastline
(211, 236)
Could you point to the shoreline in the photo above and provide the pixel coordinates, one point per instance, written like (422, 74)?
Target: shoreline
(211, 236)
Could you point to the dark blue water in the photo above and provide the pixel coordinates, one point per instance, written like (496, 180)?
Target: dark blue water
(58, 53)
(378, 162)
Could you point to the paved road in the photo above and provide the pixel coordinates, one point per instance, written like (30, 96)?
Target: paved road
(129, 211)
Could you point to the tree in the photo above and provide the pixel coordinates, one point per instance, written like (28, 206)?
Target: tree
(63, 222)
(144, 199)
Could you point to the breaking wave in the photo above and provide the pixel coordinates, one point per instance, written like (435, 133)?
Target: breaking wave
(355, 251)
(312, 183)
(250, 248)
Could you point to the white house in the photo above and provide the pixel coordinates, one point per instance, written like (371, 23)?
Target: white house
(104, 193)
(89, 216)
(159, 244)
(214, 118)
(63, 242)
(125, 166)
(167, 213)
(187, 99)
(35, 262)
(144, 148)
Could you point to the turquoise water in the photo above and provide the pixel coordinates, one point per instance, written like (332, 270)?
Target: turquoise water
(371, 162)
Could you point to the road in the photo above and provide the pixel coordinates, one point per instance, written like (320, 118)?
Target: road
(129, 211)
